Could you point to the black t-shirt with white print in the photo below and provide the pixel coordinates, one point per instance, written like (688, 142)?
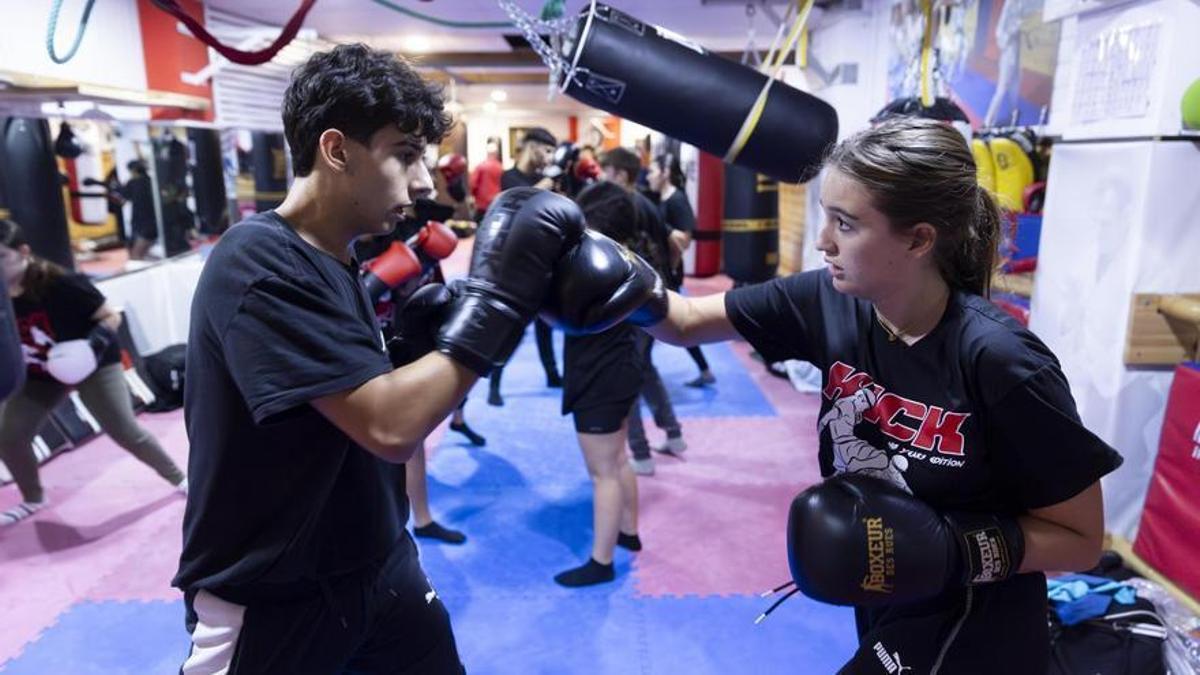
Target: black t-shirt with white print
(63, 312)
(975, 416)
(280, 497)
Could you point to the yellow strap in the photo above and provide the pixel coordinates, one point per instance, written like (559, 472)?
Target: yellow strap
(927, 55)
(755, 114)
(749, 224)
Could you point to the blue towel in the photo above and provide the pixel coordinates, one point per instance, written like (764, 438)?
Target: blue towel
(1079, 597)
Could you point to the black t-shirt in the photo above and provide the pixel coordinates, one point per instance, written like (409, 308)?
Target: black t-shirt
(514, 177)
(976, 416)
(140, 193)
(64, 312)
(676, 211)
(600, 369)
(278, 493)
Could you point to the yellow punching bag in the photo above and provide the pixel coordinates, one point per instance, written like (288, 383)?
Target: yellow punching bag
(1014, 172)
(985, 166)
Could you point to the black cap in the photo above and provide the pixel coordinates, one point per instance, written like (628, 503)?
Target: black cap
(539, 135)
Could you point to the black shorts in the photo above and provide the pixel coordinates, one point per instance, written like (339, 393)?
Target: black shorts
(386, 619)
(601, 419)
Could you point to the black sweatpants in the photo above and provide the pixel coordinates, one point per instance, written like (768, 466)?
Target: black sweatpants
(385, 619)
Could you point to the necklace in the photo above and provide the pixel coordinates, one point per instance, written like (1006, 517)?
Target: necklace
(892, 335)
(894, 332)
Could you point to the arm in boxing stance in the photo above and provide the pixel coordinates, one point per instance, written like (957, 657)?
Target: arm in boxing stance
(607, 284)
(522, 236)
(430, 388)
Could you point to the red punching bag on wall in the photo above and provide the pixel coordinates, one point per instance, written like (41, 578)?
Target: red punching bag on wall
(710, 191)
(1170, 524)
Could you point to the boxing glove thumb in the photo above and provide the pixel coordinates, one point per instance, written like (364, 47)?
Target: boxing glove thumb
(417, 323)
(71, 361)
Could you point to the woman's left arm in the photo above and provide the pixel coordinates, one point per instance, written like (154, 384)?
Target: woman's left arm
(107, 317)
(1067, 536)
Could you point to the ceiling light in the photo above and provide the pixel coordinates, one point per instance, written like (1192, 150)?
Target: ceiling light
(417, 44)
(499, 95)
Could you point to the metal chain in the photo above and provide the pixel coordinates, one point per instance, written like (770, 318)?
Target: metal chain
(532, 28)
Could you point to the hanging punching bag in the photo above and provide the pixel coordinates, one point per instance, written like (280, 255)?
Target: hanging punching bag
(709, 197)
(33, 189)
(269, 164)
(208, 180)
(656, 78)
(750, 228)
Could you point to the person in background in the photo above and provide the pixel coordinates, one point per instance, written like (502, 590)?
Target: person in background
(534, 154)
(485, 178)
(665, 179)
(69, 341)
(143, 223)
(601, 379)
(621, 166)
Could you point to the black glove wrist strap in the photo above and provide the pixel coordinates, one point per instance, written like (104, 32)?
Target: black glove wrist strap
(992, 547)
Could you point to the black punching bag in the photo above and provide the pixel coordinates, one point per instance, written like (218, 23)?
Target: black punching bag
(32, 188)
(750, 226)
(269, 163)
(208, 180)
(658, 79)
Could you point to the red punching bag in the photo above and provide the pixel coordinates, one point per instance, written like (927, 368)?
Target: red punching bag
(709, 211)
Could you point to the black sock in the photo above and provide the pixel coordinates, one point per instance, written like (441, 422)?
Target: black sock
(587, 574)
(435, 531)
(629, 541)
(462, 428)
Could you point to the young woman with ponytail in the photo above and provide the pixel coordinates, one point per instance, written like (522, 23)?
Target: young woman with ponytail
(68, 338)
(957, 466)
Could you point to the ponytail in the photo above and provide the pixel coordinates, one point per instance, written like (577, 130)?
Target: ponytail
(975, 259)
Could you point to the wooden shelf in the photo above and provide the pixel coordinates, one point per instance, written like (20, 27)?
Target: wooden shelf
(42, 89)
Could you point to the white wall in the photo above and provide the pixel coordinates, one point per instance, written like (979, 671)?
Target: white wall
(839, 38)
(157, 301)
(110, 53)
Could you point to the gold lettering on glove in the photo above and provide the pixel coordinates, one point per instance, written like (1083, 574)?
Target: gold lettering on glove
(881, 560)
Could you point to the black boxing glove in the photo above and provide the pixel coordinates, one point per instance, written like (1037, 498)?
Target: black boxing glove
(858, 540)
(417, 322)
(599, 284)
(517, 245)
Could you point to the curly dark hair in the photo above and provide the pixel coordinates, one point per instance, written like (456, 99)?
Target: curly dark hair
(357, 90)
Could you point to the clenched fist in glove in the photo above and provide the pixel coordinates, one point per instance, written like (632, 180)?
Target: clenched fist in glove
(517, 246)
(857, 540)
(599, 284)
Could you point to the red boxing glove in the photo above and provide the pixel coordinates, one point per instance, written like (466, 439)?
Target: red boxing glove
(435, 240)
(452, 166)
(587, 169)
(393, 267)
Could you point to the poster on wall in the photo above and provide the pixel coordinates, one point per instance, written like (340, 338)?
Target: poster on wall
(994, 58)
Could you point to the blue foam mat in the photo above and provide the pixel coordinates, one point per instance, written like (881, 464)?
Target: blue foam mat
(108, 638)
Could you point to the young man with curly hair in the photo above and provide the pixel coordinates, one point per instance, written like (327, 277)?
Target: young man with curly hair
(295, 557)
